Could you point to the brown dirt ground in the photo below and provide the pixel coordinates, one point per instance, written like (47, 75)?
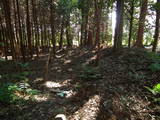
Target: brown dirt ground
(118, 94)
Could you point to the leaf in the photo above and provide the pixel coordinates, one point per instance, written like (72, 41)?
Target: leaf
(151, 90)
(157, 88)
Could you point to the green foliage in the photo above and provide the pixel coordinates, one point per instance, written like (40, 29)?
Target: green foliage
(8, 92)
(89, 73)
(154, 67)
(30, 91)
(65, 7)
(155, 6)
(155, 90)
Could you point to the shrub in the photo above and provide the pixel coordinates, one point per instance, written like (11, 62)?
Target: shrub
(8, 92)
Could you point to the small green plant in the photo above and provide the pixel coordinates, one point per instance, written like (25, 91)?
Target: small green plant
(155, 90)
(154, 67)
(89, 73)
(8, 92)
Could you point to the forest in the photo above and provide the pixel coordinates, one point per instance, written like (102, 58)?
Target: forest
(79, 59)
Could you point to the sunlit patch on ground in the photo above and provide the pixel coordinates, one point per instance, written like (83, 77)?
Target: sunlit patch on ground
(89, 110)
(38, 79)
(51, 84)
(67, 61)
(40, 98)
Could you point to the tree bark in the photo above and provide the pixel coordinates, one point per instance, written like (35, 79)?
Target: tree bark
(61, 34)
(68, 32)
(98, 12)
(143, 12)
(28, 29)
(131, 23)
(9, 32)
(52, 22)
(156, 36)
(20, 32)
(119, 25)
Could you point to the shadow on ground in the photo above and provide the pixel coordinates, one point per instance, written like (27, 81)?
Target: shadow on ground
(118, 95)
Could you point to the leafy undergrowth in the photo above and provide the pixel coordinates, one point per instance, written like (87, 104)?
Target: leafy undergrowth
(124, 86)
(15, 90)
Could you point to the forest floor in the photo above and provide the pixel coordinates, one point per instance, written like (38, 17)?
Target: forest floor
(79, 90)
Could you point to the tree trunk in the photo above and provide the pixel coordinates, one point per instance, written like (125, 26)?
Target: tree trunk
(61, 34)
(119, 25)
(131, 23)
(68, 32)
(28, 29)
(22, 47)
(143, 12)
(35, 24)
(156, 36)
(52, 21)
(9, 32)
(98, 12)
(84, 23)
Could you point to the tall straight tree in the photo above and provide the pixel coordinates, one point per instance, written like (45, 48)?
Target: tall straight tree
(52, 22)
(10, 32)
(119, 25)
(35, 24)
(98, 12)
(143, 12)
(156, 36)
(28, 23)
(84, 7)
(20, 32)
(131, 12)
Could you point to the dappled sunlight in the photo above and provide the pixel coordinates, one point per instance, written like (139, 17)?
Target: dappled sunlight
(41, 98)
(38, 79)
(37, 98)
(51, 84)
(138, 104)
(89, 111)
(67, 61)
